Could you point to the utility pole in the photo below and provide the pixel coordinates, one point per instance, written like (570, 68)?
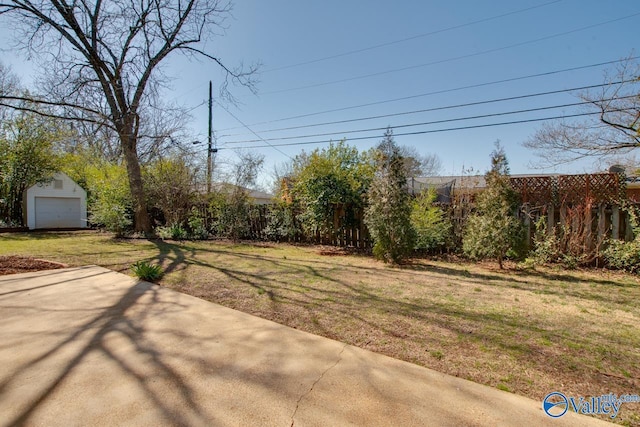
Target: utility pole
(210, 148)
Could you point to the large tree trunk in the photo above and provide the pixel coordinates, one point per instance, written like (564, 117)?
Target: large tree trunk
(141, 221)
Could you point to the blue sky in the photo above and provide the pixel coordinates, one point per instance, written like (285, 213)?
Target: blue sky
(438, 46)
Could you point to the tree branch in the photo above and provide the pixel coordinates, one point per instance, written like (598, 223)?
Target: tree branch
(51, 115)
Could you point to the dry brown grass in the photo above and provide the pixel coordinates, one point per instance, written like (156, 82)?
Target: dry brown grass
(528, 332)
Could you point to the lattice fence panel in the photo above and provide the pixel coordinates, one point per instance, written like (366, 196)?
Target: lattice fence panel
(535, 190)
(604, 187)
(597, 188)
(571, 188)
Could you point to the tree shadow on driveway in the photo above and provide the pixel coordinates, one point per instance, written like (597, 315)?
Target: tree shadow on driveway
(69, 344)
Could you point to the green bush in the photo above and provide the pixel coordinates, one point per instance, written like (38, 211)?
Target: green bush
(173, 232)
(231, 214)
(431, 224)
(623, 255)
(146, 271)
(112, 215)
(109, 197)
(163, 232)
(545, 245)
(197, 227)
(626, 255)
(178, 232)
(281, 223)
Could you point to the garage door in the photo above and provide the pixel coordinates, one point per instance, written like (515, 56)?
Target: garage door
(57, 212)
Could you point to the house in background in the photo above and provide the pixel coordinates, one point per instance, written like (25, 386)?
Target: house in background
(446, 187)
(60, 203)
(255, 196)
(633, 188)
(261, 198)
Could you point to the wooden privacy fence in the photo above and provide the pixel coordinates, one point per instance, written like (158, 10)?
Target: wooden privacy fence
(346, 229)
(570, 189)
(586, 204)
(589, 205)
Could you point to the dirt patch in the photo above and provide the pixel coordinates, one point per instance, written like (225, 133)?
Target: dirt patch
(19, 264)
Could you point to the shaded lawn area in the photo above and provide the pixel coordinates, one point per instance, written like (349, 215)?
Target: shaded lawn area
(528, 332)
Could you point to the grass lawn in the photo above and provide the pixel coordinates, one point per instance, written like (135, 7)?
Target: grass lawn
(527, 332)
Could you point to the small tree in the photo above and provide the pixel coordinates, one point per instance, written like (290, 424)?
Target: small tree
(388, 215)
(432, 226)
(169, 183)
(109, 197)
(231, 204)
(335, 175)
(494, 229)
(27, 157)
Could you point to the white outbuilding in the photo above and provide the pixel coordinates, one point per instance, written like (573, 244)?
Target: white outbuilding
(60, 203)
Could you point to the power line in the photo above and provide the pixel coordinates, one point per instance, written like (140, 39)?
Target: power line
(457, 58)
(393, 42)
(439, 92)
(429, 131)
(448, 107)
(196, 107)
(250, 130)
(482, 116)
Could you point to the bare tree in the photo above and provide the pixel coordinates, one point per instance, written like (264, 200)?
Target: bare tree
(613, 131)
(9, 85)
(417, 164)
(102, 60)
(279, 174)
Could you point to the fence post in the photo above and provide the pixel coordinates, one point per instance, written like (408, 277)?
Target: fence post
(551, 219)
(615, 222)
(527, 225)
(588, 224)
(602, 223)
(361, 239)
(629, 234)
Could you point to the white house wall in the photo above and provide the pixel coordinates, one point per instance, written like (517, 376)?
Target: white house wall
(69, 190)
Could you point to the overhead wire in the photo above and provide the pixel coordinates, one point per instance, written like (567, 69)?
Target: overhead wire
(448, 107)
(486, 125)
(481, 116)
(266, 141)
(268, 144)
(414, 37)
(196, 107)
(393, 42)
(439, 92)
(456, 58)
(251, 130)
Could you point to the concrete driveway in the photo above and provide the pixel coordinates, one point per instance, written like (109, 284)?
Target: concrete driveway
(88, 346)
